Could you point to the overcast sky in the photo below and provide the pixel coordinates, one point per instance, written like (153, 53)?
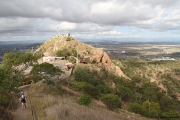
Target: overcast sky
(123, 20)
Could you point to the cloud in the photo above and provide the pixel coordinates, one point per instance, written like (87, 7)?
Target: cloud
(162, 3)
(23, 18)
(117, 13)
(113, 32)
(173, 16)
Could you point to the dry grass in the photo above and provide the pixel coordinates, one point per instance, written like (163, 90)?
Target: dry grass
(64, 107)
(61, 43)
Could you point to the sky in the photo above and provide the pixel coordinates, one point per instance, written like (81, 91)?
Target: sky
(90, 20)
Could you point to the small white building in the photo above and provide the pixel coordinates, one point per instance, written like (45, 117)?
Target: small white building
(123, 51)
(51, 58)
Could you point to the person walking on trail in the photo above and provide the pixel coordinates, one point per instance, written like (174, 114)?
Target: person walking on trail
(23, 100)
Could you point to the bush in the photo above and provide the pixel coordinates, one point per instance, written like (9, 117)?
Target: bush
(153, 108)
(4, 100)
(84, 74)
(137, 79)
(112, 101)
(74, 52)
(85, 100)
(124, 93)
(91, 90)
(77, 85)
(104, 89)
(137, 108)
(49, 82)
(165, 103)
(150, 93)
(65, 52)
(68, 39)
(169, 115)
(72, 60)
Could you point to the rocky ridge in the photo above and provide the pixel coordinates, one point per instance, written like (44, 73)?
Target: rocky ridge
(96, 55)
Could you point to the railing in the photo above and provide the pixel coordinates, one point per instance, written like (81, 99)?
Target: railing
(31, 106)
(32, 109)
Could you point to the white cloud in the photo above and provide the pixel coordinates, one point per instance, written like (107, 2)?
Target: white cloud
(66, 26)
(113, 32)
(103, 8)
(23, 18)
(173, 16)
(121, 13)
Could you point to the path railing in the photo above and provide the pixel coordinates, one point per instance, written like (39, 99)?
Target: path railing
(33, 113)
(32, 109)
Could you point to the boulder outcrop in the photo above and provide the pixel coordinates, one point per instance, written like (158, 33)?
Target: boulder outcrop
(103, 60)
(99, 56)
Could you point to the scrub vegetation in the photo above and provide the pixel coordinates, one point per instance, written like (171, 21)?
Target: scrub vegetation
(152, 91)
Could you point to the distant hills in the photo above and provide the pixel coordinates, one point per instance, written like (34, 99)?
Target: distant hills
(18, 42)
(94, 42)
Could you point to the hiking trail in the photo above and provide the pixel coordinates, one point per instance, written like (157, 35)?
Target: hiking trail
(19, 113)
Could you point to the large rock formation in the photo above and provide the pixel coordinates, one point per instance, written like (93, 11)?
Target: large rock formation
(99, 56)
(96, 55)
(103, 60)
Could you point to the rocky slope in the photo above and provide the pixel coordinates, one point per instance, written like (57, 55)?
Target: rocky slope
(96, 55)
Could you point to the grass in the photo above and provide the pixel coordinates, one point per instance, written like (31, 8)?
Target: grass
(52, 103)
(50, 106)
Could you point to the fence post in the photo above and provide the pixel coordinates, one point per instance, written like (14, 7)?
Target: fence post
(32, 109)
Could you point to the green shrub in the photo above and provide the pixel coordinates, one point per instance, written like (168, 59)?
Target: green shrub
(85, 100)
(124, 93)
(4, 100)
(68, 39)
(104, 89)
(137, 79)
(90, 90)
(77, 85)
(137, 108)
(177, 71)
(74, 52)
(38, 54)
(84, 74)
(170, 115)
(49, 82)
(153, 108)
(72, 60)
(112, 101)
(63, 53)
(103, 73)
(165, 102)
(150, 93)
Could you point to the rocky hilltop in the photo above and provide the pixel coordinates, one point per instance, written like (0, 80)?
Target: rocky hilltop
(96, 55)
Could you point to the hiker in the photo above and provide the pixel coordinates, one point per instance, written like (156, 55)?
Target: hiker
(23, 100)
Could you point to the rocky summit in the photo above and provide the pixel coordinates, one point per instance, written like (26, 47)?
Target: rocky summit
(96, 55)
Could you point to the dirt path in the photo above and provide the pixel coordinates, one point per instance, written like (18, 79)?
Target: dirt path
(19, 113)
